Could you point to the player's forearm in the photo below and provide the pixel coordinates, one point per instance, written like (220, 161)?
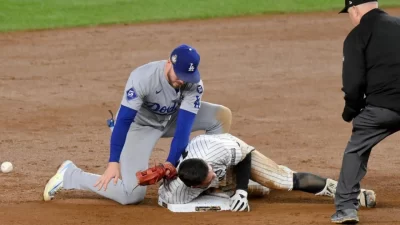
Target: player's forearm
(118, 136)
(243, 170)
(182, 133)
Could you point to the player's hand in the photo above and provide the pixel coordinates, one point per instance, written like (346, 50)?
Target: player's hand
(111, 172)
(170, 171)
(239, 202)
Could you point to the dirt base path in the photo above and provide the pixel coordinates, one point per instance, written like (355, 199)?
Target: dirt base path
(280, 75)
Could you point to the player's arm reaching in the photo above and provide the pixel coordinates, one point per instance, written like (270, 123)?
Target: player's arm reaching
(241, 162)
(186, 116)
(181, 137)
(238, 201)
(131, 102)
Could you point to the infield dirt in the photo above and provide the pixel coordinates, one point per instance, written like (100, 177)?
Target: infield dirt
(279, 74)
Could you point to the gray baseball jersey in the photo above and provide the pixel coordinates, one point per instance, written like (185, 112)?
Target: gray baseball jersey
(148, 92)
(221, 151)
(157, 102)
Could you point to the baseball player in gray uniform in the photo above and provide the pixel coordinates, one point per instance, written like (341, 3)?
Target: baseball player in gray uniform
(161, 99)
(224, 164)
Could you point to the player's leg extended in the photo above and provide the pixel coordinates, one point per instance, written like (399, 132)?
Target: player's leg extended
(370, 127)
(268, 173)
(320, 186)
(135, 156)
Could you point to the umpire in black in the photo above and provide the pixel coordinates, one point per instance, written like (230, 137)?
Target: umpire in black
(371, 84)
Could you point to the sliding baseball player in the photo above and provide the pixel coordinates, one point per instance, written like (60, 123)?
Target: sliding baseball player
(226, 164)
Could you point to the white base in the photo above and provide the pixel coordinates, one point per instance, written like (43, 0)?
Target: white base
(201, 204)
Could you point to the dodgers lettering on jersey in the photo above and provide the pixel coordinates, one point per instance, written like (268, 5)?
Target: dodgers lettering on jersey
(148, 92)
(221, 151)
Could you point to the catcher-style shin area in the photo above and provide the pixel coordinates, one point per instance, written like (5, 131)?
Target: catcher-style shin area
(216, 201)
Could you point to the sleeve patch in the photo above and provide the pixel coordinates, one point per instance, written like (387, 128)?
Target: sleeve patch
(199, 89)
(131, 94)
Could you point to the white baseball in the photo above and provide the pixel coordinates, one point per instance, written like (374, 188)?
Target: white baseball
(6, 167)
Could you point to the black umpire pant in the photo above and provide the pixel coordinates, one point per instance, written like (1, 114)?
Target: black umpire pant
(370, 127)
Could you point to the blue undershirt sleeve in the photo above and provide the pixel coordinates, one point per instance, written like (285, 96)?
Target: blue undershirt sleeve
(182, 134)
(122, 124)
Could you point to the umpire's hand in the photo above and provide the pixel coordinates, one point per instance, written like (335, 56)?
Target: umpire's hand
(349, 114)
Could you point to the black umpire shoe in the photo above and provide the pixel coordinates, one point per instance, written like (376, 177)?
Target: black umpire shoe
(346, 216)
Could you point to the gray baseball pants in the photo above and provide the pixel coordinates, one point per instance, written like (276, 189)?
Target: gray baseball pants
(135, 155)
(370, 127)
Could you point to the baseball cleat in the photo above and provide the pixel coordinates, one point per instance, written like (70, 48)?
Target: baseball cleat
(329, 189)
(55, 183)
(346, 216)
(367, 198)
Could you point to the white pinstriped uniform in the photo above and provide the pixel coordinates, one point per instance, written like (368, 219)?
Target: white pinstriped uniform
(222, 152)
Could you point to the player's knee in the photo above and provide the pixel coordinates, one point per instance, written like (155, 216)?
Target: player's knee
(224, 116)
(131, 200)
(131, 195)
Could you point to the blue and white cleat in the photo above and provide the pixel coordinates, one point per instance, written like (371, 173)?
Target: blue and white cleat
(55, 183)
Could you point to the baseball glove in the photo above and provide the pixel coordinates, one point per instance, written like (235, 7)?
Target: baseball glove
(154, 174)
